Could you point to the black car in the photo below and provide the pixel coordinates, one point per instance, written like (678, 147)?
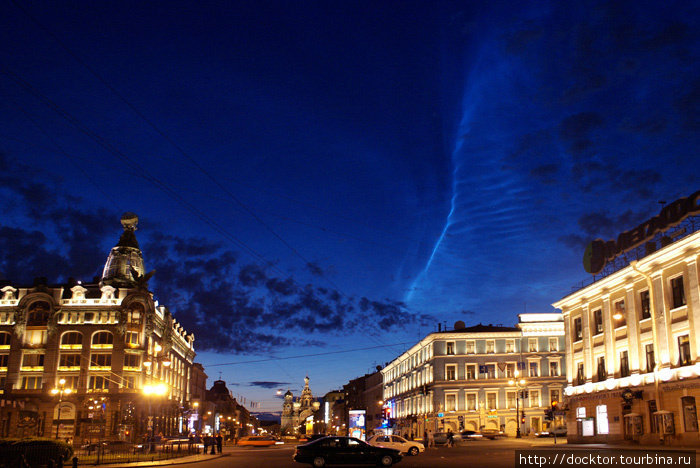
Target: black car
(336, 450)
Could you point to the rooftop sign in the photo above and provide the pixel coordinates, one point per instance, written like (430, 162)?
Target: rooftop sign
(599, 252)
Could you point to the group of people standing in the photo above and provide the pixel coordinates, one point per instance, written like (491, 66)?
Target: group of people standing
(429, 438)
(215, 442)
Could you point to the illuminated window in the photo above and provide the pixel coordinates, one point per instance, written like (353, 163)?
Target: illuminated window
(450, 402)
(491, 401)
(471, 349)
(97, 382)
(471, 371)
(578, 330)
(534, 369)
(35, 337)
(31, 383)
(71, 381)
(510, 370)
(38, 314)
(132, 339)
(72, 339)
(650, 357)
(597, 321)
(450, 347)
(553, 344)
(534, 398)
(471, 402)
(451, 372)
(5, 339)
(602, 374)
(620, 316)
(510, 399)
(602, 419)
(684, 351)
(33, 360)
(69, 360)
(532, 345)
(510, 346)
(102, 339)
(580, 377)
(132, 360)
(553, 368)
(645, 305)
(678, 292)
(581, 412)
(490, 346)
(100, 360)
(624, 364)
(4, 359)
(554, 396)
(129, 382)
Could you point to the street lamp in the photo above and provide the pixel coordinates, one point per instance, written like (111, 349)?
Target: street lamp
(519, 386)
(153, 391)
(60, 391)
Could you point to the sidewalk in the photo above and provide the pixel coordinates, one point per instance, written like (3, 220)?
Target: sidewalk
(172, 461)
(616, 446)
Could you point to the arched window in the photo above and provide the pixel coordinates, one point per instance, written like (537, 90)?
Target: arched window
(38, 313)
(103, 339)
(72, 339)
(5, 338)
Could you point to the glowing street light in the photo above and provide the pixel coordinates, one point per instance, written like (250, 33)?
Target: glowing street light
(60, 391)
(519, 386)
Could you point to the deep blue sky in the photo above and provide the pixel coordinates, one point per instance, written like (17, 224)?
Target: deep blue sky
(330, 176)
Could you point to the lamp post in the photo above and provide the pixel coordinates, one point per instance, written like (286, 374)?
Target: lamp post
(155, 390)
(519, 386)
(60, 391)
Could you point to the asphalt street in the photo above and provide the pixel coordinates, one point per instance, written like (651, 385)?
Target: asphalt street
(486, 453)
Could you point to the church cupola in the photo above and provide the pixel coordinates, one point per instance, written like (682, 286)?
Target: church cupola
(125, 261)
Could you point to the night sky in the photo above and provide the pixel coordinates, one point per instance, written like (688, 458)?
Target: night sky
(320, 177)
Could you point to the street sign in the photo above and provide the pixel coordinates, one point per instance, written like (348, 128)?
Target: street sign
(440, 415)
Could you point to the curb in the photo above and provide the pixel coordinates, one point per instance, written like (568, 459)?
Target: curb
(172, 461)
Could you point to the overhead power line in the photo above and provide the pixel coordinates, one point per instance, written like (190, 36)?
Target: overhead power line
(345, 351)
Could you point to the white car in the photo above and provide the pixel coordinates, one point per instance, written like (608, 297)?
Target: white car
(396, 442)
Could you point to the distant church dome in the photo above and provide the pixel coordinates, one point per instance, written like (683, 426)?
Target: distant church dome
(124, 256)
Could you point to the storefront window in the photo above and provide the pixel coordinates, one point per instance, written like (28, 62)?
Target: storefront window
(602, 419)
(690, 415)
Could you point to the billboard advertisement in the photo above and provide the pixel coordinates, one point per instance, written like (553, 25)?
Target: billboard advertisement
(357, 424)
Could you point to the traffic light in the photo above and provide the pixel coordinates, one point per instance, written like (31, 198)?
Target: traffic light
(522, 420)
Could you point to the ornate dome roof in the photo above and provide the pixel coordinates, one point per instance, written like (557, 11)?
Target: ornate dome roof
(125, 257)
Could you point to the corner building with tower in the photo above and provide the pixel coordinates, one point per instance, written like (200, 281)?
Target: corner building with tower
(101, 360)
(633, 344)
(480, 378)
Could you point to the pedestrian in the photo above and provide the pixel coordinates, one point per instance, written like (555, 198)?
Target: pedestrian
(450, 438)
(411, 435)
(212, 442)
(219, 442)
(425, 437)
(206, 443)
(431, 439)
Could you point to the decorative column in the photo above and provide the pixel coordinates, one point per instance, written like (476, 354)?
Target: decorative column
(587, 343)
(608, 336)
(633, 350)
(693, 300)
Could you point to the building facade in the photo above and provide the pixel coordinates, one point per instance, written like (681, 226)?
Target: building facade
(482, 377)
(632, 346)
(87, 361)
(298, 413)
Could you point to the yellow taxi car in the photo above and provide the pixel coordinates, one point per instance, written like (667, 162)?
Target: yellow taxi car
(258, 441)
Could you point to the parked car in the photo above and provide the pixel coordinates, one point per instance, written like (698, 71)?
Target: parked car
(258, 441)
(336, 450)
(397, 442)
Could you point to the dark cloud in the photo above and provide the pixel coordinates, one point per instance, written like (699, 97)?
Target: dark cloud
(576, 129)
(314, 268)
(268, 384)
(546, 173)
